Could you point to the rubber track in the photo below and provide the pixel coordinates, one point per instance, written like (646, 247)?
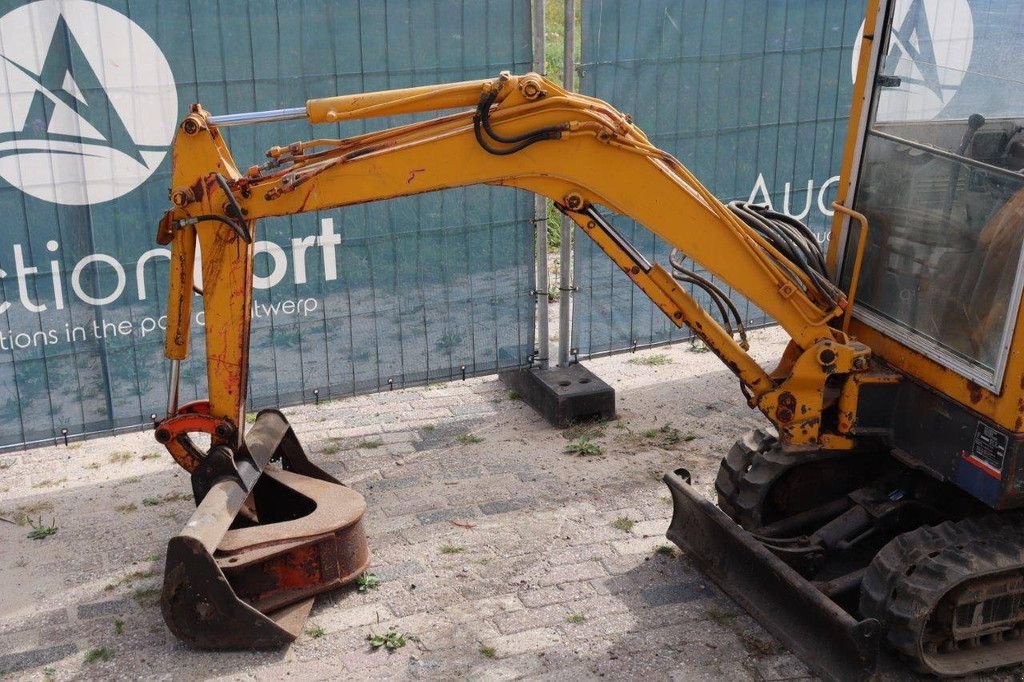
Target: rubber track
(748, 472)
(734, 467)
(909, 576)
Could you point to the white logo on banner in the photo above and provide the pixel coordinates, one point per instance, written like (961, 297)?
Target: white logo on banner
(88, 104)
(930, 50)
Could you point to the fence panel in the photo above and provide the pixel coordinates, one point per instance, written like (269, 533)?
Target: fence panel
(346, 301)
(752, 96)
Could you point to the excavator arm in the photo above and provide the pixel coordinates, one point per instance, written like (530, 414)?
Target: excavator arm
(519, 131)
(271, 530)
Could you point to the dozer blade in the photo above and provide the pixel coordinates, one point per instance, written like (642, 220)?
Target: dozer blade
(828, 639)
(233, 583)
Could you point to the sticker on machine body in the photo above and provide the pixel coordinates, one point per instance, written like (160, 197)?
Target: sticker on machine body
(988, 450)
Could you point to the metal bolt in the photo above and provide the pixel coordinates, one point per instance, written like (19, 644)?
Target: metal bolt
(163, 435)
(190, 126)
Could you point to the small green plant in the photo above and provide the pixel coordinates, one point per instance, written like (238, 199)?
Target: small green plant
(488, 651)
(128, 481)
(22, 514)
(665, 550)
(316, 632)
(331, 449)
(452, 549)
(514, 395)
(129, 579)
(758, 646)
(698, 346)
(94, 465)
(126, 508)
(554, 293)
(554, 216)
(430, 428)
(623, 523)
(118, 626)
(367, 581)
(152, 455)
(576, 619)
(390, 640)
(49, 673)
(468, 439)
(370, 444)
(651, 360)
(100, 654)
(40, 531)
(121, 457)
(719, 616)
(588, 429)
(145, 595)
(6, 464)
(250, 417)
(153, 501)
(584, 447)
(151, 557)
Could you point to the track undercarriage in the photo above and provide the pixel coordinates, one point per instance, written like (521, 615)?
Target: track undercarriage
(838, 552)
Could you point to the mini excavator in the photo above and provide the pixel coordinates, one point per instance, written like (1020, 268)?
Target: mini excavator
(879, 511)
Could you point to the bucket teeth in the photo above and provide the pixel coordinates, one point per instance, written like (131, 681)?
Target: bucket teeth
(232, 583)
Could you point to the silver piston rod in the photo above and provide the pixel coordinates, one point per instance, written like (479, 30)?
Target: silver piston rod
(253, 117)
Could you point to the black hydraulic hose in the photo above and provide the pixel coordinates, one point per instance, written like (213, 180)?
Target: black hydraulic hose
(239, 229)
(482, 124)
(483, 110)
(726, 308)
(509, 150)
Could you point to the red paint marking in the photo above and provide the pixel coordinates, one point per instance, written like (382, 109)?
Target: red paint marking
(987, 468)
(412, 174)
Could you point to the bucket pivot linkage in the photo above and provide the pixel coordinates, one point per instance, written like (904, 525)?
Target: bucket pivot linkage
(270, 531)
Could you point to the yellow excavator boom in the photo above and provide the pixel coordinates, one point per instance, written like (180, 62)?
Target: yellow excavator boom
(517, 131)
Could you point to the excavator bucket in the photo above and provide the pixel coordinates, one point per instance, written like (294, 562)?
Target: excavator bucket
(827, 638)
(262, 543)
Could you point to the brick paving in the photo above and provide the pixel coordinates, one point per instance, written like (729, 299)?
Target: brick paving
(500, 556)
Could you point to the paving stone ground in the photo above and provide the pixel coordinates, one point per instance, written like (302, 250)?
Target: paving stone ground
(501, 556)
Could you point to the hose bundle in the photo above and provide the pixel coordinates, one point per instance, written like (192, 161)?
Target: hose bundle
(787, 235)
(732, 322)
(794, 241)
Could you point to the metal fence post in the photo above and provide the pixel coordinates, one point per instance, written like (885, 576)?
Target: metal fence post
(540, 211)
(566, 252)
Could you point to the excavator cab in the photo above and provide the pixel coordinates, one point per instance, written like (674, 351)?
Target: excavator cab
(937, 171)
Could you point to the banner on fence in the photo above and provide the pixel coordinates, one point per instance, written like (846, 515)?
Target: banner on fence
(91, 91)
